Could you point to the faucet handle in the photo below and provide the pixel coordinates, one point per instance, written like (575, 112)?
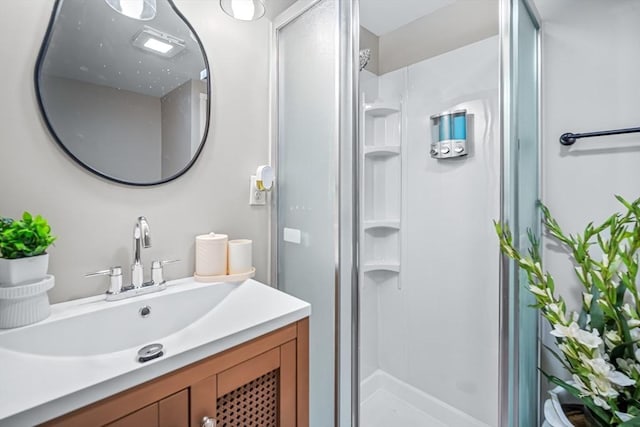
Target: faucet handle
(157, 277)
(115, 278)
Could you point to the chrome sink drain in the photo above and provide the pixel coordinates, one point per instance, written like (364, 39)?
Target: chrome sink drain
(150, 352)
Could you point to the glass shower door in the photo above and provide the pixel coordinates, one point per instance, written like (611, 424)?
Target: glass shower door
(522, 212)
(307, 185)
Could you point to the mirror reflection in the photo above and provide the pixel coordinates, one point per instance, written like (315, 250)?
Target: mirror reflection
(123, 86)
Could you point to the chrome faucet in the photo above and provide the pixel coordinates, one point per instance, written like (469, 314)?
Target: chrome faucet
(141, 239)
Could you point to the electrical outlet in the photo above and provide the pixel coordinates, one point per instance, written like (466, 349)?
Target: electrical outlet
(256, 197)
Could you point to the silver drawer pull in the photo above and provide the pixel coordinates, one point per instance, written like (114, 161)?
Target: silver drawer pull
(208, 422)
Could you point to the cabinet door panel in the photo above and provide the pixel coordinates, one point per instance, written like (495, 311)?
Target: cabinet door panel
(174, 410)
(203, 400)
(288, 384)
(248, 371)
(145, 417)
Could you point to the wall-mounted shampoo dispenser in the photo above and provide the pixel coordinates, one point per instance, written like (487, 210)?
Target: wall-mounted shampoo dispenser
(449, 134)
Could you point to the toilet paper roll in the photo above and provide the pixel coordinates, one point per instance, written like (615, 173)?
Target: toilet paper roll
(211, 254)
(240, 256)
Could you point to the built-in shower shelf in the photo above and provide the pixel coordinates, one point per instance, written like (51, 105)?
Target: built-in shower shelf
(382, 223)
(381, 109)
(382, 151)
(381, 266)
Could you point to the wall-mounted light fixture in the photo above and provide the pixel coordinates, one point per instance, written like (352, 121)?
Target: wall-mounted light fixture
(244, 10)
(142, 10)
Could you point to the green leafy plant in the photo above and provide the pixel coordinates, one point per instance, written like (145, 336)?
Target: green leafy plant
(26, 237)
(598, 345)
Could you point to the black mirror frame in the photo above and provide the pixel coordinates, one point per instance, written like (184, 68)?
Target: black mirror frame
(38, 67)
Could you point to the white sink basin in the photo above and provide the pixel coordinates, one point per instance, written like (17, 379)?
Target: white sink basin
(115, 326)
(87, 349)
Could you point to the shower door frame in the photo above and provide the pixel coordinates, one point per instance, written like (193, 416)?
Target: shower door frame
(346, 215)
(508, 381)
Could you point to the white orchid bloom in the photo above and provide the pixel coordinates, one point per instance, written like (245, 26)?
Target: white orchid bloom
(537, 290)
(624, 416)
(612, 339)
(588, 339)
(562, 331)
(601, 403)
(587, 299)
(605, 370)
(618, 378)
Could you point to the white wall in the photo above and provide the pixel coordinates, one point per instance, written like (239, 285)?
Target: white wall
(368, 40)
(177, 129)
(590, 83)
(439, 332)
(93, 218)
(77, 111)
(447, 28)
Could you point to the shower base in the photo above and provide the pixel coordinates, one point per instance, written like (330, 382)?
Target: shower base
(387, 401)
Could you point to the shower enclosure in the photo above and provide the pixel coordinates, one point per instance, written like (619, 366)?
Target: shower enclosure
(416, 318)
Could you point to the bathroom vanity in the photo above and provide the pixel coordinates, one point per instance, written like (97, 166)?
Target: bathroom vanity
(232, 354)
(262, 382)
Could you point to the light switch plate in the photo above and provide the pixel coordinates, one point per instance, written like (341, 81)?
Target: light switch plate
(256, 197)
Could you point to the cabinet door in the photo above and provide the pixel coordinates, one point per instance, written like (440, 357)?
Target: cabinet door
(203, 400)
(260, 392)
(173, 411)
(145, 417)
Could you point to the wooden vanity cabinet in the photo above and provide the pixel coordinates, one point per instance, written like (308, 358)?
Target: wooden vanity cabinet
(264, 382)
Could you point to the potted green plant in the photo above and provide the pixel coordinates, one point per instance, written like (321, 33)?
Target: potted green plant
(23, 246)
(599, 344)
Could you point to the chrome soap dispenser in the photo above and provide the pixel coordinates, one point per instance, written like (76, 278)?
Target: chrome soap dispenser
(449, 134)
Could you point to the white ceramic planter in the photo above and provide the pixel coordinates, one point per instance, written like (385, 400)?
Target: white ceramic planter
(553, 413)
(23, 270)
(25, 304)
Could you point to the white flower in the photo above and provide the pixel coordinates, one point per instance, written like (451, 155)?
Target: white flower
(633, 323)
(562, 331)
(618, 378)
(600, 402)
(606, 371)
(537, 290)
(587, 298)
(624, 416)
(611, 338)
(588, 339)
(591, 340)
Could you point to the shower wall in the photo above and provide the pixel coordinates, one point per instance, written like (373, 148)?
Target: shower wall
(438, 330)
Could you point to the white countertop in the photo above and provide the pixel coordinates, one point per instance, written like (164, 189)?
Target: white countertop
(35, 388)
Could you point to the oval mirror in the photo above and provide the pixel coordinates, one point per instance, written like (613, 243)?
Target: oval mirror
(123, 87)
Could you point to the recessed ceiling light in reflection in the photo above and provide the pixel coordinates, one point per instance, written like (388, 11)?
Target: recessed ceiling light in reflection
(158, 46)
(157, 42)
(244, 10)
(142, 10)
